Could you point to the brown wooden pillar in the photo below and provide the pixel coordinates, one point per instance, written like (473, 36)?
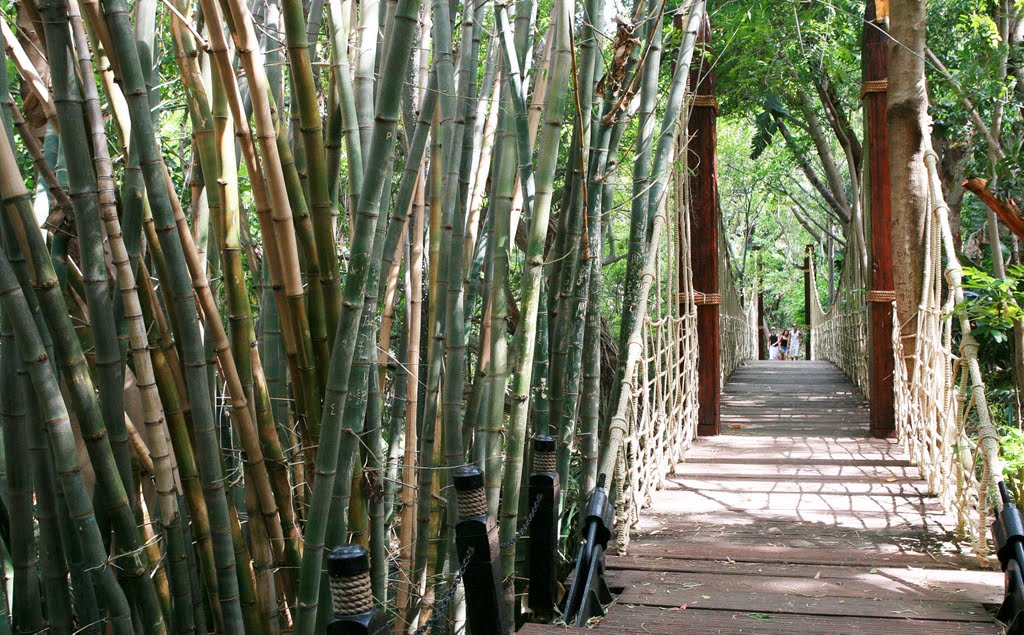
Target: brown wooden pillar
(703, 164)
(809, 288)
(762, 343)
(762, 335)
(882, 290)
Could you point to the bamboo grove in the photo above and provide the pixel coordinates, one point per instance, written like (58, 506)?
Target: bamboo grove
(269, 272)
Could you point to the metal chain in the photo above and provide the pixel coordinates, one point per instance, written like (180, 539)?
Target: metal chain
(441, 605)
(526, 524)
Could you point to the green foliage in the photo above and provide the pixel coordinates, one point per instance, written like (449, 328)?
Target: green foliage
(993, 304)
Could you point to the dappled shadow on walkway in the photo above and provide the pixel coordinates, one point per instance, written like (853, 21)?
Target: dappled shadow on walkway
(796, 520)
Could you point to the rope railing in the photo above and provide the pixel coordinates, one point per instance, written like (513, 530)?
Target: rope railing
(737, 319)
(941, 410)
(840, 335)
(942, 414)
(663, 404)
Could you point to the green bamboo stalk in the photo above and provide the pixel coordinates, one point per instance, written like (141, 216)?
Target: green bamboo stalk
(524, 342)
(363, 85)
(515, 46)
(153, 414)
(344, 116)
(671, 124)
(308, 105)
(51, 551)
(386, 121)
(577, 267)
(410, 173)
(68, 103)
(27, 602)
(499, 243)
(180, 286)
(455, 216)
(52, 410)
(6, 624)
(83, 397)
(642, 181)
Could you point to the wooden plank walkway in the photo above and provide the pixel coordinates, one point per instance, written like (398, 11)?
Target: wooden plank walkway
(795, 520)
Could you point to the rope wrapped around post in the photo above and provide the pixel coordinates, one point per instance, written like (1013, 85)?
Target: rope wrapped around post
(543, 548)
(348, 569)
(476, 539)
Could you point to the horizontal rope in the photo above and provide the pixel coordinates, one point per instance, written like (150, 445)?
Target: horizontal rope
(874, 86)
(705, 101)
(701, 298)
(881, 295)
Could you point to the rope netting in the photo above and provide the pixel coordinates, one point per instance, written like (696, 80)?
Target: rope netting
(840, 335)
(663, 404)
(942, 415)
(737, 319)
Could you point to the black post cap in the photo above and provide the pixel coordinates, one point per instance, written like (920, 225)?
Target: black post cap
(348, 561)
(544, 443)
(468, 478)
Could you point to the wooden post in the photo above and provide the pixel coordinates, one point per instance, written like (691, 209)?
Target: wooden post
(808, 290)
(882, 291)
(762, 333)
(762, 343)
(703, 164)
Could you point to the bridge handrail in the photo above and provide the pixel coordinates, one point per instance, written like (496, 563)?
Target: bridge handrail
(737, 316)
(942, 413)
(840, 334)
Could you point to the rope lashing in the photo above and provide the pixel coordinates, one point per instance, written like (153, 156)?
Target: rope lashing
(545, 454)
(873, 86)
(881, 295)
(348, 568)
(705, 101)
(469, 491)
(700, 298)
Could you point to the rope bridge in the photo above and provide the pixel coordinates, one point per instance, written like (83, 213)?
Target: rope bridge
(942, 415)
(662, 415)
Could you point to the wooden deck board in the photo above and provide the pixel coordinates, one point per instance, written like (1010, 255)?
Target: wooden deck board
(795, 520)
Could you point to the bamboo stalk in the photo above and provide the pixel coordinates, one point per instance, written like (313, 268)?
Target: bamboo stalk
(305, 98)
(523, 344)
(62, 440)
(388, 105)
(671, 125)
(180, 286)
(410, 374)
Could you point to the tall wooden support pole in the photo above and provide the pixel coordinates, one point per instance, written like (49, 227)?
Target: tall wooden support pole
(808, 290)
(882, 291)
(703, 164)
(762, 328)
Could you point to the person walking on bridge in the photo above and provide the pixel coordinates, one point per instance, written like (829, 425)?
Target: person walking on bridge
(794, 343)
(784, 344)
(773, 345)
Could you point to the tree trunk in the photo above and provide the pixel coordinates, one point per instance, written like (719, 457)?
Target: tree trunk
(907, 117)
